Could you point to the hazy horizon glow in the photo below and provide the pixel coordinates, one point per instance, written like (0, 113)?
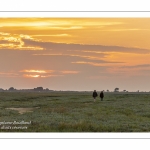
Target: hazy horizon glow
(80, 54)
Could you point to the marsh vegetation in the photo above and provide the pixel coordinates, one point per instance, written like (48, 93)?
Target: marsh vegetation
(75, 112)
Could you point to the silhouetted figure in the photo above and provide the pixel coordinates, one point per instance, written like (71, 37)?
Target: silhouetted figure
(101, 95)
(94, 95)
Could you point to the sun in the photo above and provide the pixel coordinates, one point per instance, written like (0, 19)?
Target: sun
(32, 76)
(36, 76)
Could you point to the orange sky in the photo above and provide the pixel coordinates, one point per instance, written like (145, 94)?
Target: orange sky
(75, 53)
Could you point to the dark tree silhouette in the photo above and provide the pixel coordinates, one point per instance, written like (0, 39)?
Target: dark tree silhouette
(12, 89)
(116, 90)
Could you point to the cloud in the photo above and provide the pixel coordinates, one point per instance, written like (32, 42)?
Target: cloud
(60, 27)
(9, 74)
(80, 59)
(7, 44)
(57, 35)
(94, 64)
(81, 47)
(4, 33)
(103, 23)
(129, 71)
(40, 76)
(46, 73)
(14, 42)
(137, 66)
(26, 42)
(79, 55)
(127, 29)
(69, 72)
(4, 42)
(37, 71)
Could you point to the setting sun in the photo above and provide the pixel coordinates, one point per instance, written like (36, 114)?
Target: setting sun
(32, 76)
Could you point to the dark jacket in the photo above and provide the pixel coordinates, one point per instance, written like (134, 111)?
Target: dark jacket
(101, 95)
(94, 94)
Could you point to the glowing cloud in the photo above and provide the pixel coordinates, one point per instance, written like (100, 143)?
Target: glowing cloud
(96, 64)
(40, 76)
(37, 71)
(3, 33)
(51, 35)
(15, 42)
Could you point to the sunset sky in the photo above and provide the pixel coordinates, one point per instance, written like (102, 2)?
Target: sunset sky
(82, 54)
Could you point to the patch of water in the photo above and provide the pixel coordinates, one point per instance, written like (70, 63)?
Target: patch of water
(23, 110)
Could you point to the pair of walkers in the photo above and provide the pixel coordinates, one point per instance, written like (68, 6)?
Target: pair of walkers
(95, 95)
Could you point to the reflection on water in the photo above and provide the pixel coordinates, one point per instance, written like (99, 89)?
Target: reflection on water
(23, 110)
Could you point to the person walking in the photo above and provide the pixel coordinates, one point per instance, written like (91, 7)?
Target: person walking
(94, 95)
(101, 95)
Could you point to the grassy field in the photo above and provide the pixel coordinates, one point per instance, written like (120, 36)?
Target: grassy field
(74, 112)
